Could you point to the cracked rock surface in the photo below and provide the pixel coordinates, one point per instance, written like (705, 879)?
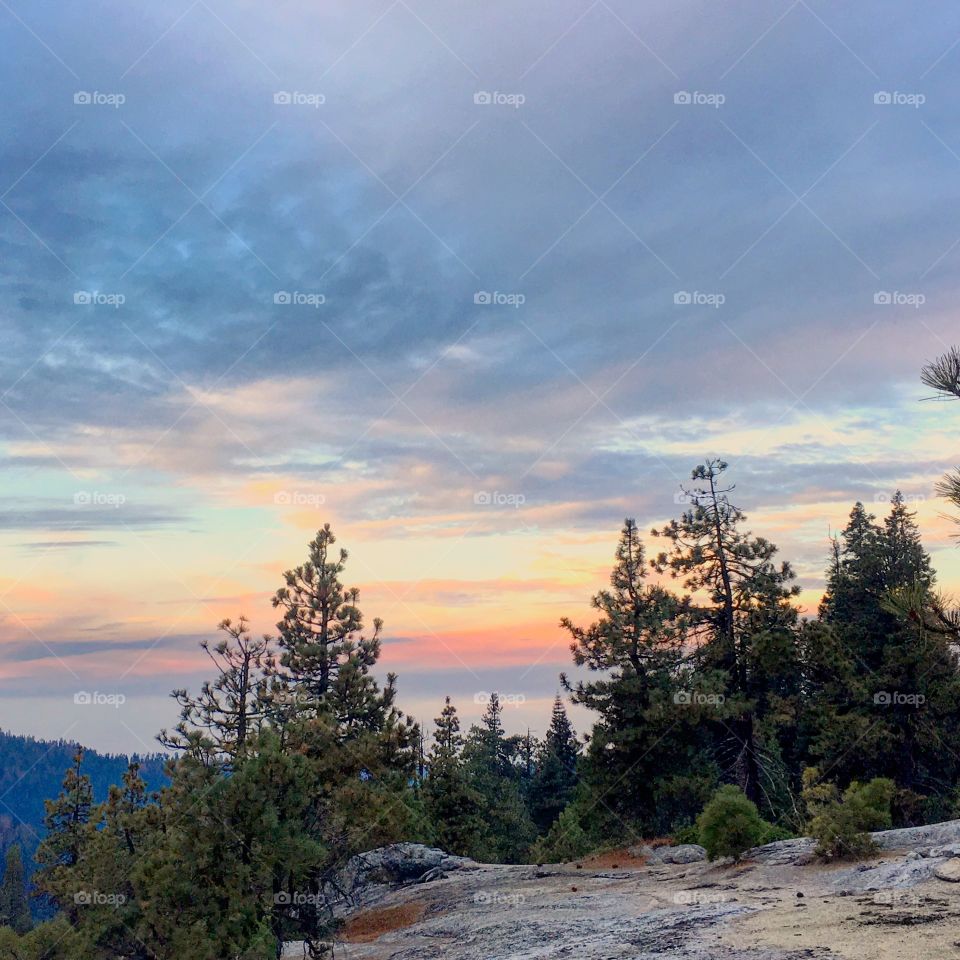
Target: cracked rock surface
(769, 908)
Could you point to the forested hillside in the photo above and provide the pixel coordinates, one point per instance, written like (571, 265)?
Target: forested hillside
(31, 771)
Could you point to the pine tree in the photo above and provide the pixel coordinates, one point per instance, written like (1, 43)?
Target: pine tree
(635, 654)
(120, 831)
(748, 602)
(555, 778)
(231, 707)
(446, 737)
(14, 907)
(905, 563)
(490, 743)
(894, 685)
(943, 375)
(67, 822)
(452, 805)
(326, 660)
(509, 831)
(855, 585)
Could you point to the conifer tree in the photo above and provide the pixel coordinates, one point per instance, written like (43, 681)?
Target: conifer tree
(894, 686)
(67, 819)
(943, 375)
(109, 909)
(905, 563)
(509, 831)
(326, 659)
(14, 907)
(233, 705)
(488, 746)
(452, 805)
(555, 778)
(634, 652)
(748, 598)
(446, 737)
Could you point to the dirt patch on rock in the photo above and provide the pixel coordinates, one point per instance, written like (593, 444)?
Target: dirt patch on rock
(613, 859)
(372, 924)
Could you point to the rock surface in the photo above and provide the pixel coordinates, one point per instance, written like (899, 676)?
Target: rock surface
(594, 910)
(895, 875)
(949, 871)
(924, 840)
(685, 853)
(397, 864)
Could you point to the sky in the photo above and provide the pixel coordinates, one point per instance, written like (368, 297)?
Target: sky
(471, 282)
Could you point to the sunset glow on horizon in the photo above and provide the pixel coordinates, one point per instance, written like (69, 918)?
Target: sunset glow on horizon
(472, 333)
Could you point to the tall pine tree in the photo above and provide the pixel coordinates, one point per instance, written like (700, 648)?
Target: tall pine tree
(452, 804)
(326, 659)
(643, 745)
(744, 606)
(555, 776)
(14, 906)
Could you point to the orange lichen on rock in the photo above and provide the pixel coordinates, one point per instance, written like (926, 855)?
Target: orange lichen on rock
(372, 924)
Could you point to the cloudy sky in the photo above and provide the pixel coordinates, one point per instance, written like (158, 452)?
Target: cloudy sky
(472, 282)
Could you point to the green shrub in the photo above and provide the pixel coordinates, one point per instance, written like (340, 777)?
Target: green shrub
(689, 833)
(773, 832)
(566, 840)
(729, 824)
(841, 823)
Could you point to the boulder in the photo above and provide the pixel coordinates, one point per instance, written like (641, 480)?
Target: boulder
(912, 838)
(400, 863)
(684, 853)
(949, 870)
(948, 850)
(894, 874)
(784, 851)
(934, 840)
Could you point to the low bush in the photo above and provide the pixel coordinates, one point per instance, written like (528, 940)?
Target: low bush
(730, 824)
(841, 823)
(566, 840)
(773, 832)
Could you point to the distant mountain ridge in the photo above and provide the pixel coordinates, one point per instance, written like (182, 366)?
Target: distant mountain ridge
(32, 770)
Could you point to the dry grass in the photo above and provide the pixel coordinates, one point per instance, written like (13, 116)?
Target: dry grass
(372, 924)
(610, 859)
(660, 842)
